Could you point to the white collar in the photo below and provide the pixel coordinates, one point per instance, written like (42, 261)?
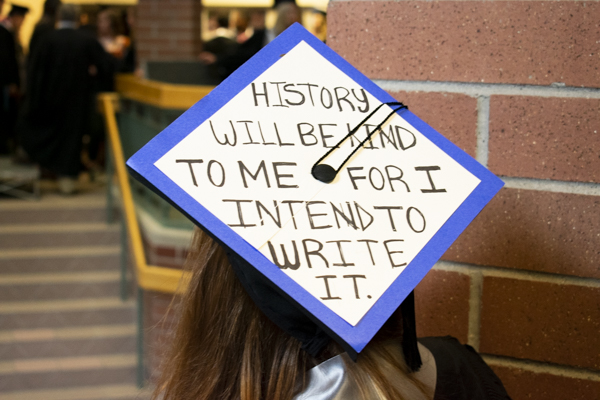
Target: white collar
(329, 380)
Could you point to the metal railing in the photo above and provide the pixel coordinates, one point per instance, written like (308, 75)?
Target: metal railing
(148, 277)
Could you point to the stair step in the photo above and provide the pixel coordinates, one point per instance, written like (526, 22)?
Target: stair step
(91, 304)
(64, 332)
(106, 259)
(60, 313)
(60, 372)
(58, 277)
(37, 216)
(52, 286)
(79, 251)
(58, 227)
(12, 238)
(14, 367)
(67, 348)
(105, 392)
(96, 331)
(54, 201)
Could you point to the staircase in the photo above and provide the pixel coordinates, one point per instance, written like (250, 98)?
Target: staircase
(65, 334)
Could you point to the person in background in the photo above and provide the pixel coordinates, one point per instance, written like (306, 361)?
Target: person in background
(243, 30)
(218, 26)
(9, 84)
(12, 75)
(287, 14)
(45, 24)
(60, 96)
(110, 33)
(222, 43)
(87, 22)
(128, 62)
(318, 26)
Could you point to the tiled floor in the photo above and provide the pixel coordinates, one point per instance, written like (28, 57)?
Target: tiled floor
(64, 332)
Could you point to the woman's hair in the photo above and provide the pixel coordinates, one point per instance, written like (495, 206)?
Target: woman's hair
(224, 348)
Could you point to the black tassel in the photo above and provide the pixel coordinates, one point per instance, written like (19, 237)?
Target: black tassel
(409, 333)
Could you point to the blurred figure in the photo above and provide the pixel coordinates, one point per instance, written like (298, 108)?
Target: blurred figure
(87, 23)
(9, 83)
(110, 33)
(60, 97)
(15, 19)
(243, 30)
(12, 75)
(218, 26)
(287, 14)
(128, 62)
(318, 26)
(222, 42)
(45, 24)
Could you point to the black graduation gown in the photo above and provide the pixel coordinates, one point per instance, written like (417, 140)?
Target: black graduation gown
(60, 98)
(42, 29)
(9, 75)
(461, 372)
(228, 62)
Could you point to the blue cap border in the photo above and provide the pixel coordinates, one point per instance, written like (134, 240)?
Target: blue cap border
(141, 164)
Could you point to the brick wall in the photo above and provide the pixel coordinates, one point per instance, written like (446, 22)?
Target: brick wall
(159, 308)
(168, 30)
(516, 84)
(159, 323)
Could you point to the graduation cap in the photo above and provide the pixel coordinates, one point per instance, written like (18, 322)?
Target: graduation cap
(332, 199)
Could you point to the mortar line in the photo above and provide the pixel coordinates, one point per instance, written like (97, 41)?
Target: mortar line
(483, 130)
(534, 276)
(592, 189)
(476, 89)
(474, 327)
(542, 367)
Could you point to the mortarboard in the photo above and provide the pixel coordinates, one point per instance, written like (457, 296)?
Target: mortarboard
(332, 199)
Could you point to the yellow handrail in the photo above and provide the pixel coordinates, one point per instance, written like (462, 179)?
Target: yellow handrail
(149, 277)
(160, 94)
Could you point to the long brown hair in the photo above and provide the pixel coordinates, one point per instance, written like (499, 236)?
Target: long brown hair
(224, 348)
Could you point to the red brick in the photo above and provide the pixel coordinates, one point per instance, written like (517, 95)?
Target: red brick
(169, 21)
(518, 42)
(174, 25)
(545, 138)
(147, 32)
(526, 385)
(452, 115)
(442, 305)
(541, 321)
(159, 46)
(164, 251)
(168, 262)
(534, 230)
(159, 323)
